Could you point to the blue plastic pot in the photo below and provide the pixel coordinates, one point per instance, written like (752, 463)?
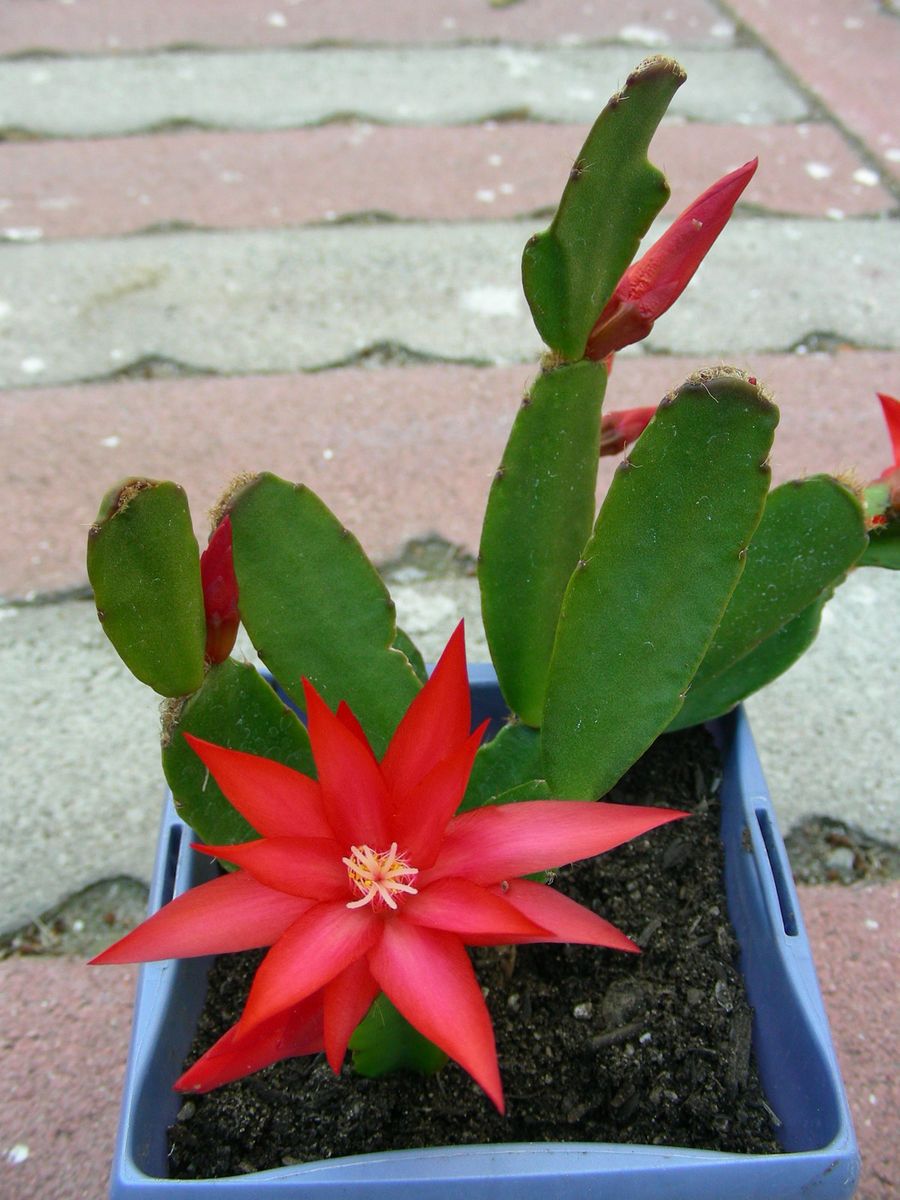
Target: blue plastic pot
(790, 1037)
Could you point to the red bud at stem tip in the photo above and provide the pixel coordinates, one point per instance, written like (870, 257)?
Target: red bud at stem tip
(891, 409)
(220, 593)
(620, 429)
(651, 285)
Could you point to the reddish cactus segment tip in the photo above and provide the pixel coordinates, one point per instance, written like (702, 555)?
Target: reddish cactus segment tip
(651, 285)
(220, 593)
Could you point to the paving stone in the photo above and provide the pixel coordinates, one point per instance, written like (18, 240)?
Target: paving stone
(93, 25)
(279, 178)
(84, 97)
(846, 52)
(425, 441)
(288, 300)
(65, 1038)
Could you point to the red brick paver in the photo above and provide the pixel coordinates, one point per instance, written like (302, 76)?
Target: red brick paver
(426, 441)
(92, 26)
(272, 179)
(845, 51)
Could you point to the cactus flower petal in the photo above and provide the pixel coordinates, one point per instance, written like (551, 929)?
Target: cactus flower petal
(619, 429)
(298, 1030)
(653, 283)
(220, 593)
(366, 880)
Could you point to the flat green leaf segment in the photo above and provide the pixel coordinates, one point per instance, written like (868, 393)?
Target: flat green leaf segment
(655, 578)
(144, 566)
(765, 662)
(571, 269)
(539, 514)
(404, 643)
(511, 758)
(315, 607)
(883, 549)
(811, 533)
(236, 708)
(385, 1041)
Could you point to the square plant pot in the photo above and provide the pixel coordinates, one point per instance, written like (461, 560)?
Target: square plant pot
(791, 1042)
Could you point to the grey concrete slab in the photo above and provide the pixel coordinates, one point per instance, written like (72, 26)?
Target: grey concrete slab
(286, 300)
(82, 782)
(277, 89)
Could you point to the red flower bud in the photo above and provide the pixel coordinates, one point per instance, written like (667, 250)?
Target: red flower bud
(651, 285)
(220, 593)
(891, 409)
(620, 429)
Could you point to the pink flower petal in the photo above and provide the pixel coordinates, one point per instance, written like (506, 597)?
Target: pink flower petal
(427, 975)
(310, 867)
(891, 409)
(348, 718)
(233, 912)
(500, 842)
(438, 719)
(465, 908)
(620, 428)
(566, 920)
(316, 948)
(289, 1034)
(420, 819)
(348, 998)
(276, 800)
(353, 790)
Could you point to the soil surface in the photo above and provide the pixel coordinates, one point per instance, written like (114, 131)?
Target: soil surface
(594, 1045)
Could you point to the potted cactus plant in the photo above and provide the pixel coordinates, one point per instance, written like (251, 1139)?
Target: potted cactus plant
(370, 842)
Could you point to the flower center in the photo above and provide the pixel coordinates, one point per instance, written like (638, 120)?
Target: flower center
(378, 877)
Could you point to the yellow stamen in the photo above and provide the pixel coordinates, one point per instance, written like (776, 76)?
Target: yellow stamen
(379, 876)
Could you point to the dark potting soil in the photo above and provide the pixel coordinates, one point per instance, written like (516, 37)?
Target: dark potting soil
(594, 1045)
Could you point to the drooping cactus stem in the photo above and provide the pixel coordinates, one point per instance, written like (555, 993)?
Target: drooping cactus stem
(651, 285)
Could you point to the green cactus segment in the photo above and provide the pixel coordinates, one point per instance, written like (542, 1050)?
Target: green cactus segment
(315, 607)
(760, 666)
(883, 549)
(404, 643)
(539, 514)
(384, 1041)
(811, 533)
(532, 789)
(571, 269)
(238, 709)
(144, 566)
(506, 761)
(654, 579)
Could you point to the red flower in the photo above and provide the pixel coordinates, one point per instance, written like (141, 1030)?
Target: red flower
(220, 593)
(651, 285)
(619, 429)
(365, 881)
(885, 491)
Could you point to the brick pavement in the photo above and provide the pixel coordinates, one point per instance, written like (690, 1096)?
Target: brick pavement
(139, 243)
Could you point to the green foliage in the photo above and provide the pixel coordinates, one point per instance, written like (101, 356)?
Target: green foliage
(404, 643)
(571, 269)
(236, 708)
(507, 760)
(385, 1041)
(539, 514)
(766, 661)
(654, 579)
(315, 607)
(144, 566)
(811, 533)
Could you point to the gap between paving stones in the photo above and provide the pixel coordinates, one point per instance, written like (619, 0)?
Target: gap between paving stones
(278, 300)
(277, 89)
